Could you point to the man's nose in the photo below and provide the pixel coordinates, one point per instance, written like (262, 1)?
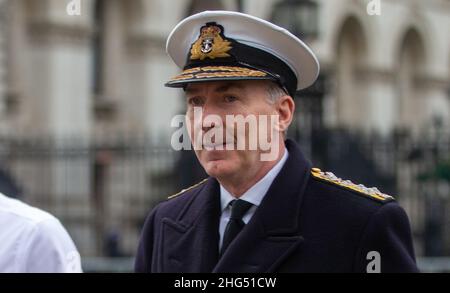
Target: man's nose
(210, 109)
(207, 127)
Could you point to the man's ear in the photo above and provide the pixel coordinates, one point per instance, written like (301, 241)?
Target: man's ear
(285, 109)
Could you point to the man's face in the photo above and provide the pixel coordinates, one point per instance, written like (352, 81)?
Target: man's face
(246, 98)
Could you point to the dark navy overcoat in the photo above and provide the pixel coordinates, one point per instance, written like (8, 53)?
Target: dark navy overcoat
(305, 223)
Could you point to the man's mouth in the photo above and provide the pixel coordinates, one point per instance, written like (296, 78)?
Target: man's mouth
(218, 146)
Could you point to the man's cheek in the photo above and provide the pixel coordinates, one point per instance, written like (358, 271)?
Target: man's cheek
(194, 130)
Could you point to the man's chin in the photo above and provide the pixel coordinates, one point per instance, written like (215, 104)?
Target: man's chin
(218, 168)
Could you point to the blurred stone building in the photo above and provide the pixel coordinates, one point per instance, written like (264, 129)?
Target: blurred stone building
(92, 86)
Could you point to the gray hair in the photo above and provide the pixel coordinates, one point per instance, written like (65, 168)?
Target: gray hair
(275, 92)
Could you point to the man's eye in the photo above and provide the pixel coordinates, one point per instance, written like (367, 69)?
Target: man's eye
(230, 99)
(195, 101)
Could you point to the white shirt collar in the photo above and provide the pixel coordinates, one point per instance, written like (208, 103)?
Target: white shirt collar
(257, 192)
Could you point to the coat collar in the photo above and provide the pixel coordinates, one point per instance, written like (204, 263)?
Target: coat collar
(190, 241)
(270, 236)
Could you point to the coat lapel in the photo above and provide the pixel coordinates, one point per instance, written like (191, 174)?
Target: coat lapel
(273, 233)
(190, 243)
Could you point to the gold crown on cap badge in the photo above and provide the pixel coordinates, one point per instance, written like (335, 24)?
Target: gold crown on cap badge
(210, 44)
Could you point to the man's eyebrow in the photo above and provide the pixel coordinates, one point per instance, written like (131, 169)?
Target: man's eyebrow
(190, 90)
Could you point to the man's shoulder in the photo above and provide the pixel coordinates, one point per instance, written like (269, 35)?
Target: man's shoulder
(346, 192)
(20, 212)
(341, 204)
(31, 235)
(177, 201)
(20, 219)
(184, 193)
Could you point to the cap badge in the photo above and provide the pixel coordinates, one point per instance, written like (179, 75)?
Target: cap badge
(210, 44)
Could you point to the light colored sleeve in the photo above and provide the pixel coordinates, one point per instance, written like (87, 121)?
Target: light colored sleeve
(49, 249)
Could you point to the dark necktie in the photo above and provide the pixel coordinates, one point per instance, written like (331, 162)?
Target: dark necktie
(235, 224)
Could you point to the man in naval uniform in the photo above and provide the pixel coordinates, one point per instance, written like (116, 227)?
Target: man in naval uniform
(255, 215)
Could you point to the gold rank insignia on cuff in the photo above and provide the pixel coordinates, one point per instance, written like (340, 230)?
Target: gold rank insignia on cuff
(371, 192)
(187, 189)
